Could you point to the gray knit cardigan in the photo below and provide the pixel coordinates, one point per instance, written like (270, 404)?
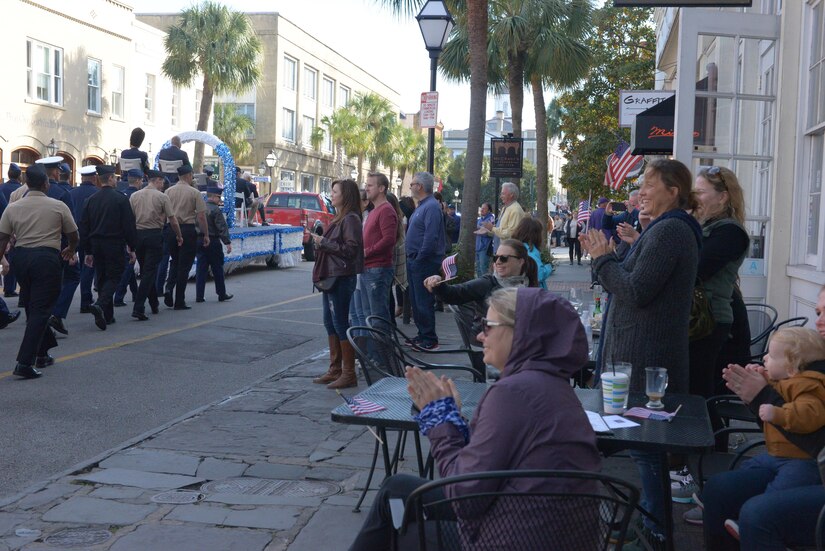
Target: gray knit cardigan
(651, 294)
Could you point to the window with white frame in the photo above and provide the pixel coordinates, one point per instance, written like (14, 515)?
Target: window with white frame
(326, 185)
(44, 67)
(310, 83)
(287, 182)
(327, 143)
(149, 99)
(306, 134)
(810, 204)
(118, 83)
(288, 128)
(175, 104)
(308, 183)
(328, 92)
(290, 73)
(247, 110)
(93, 102)
(343, 96)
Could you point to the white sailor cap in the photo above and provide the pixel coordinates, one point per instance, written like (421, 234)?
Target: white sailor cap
(57, 159)
(87, 170)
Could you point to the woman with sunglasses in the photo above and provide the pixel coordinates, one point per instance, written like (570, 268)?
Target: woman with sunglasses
(511, 267)
(531, 418)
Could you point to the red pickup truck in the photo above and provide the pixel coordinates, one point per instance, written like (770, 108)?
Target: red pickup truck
(312, 211)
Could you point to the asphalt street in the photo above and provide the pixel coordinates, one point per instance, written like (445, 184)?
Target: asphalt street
(110, 386)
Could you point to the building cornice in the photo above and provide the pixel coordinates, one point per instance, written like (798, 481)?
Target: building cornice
(80, 21)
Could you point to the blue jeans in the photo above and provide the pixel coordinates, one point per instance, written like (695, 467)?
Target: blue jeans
(336, 306)
(760, 485)
(376, 284)
(652, 498)
(421, 299)
(782, 519)
(482, 263)
(355, 313)
(71, 279)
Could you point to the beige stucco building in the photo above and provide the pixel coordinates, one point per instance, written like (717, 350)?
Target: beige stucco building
(84, 76)
(303, 80)
(756, 76)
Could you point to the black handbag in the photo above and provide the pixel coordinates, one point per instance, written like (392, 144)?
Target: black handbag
(325, 285)
(701, 316)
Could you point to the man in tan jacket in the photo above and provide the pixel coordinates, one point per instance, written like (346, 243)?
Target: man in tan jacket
(509, 217)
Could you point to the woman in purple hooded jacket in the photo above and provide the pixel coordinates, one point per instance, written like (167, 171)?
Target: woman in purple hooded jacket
(530, 419)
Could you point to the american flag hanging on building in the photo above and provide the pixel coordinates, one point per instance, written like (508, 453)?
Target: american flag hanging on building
(449, 267)
(620, 164)
(362, 406)
(584, 212)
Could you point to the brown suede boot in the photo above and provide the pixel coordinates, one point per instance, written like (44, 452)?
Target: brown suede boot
(334, 370)
(347, 378)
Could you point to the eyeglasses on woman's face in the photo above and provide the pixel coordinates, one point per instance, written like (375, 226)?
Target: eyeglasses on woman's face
(486, 325)
(503, 258)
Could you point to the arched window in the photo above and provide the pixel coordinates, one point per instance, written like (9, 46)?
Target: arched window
(92, 160)
(24, 156)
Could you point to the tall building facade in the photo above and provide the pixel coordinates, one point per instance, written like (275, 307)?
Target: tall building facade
(79, 77)
(303, 81)
(752, 80)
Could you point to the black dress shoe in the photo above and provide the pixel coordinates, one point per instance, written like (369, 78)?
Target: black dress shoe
(119, 303)
(168, 300)
(111, 321)
(140, 316)
(11, 294)
(9, 318)
(183, 307)
(225, 297)
(44, 361)
(58, 325)
(85, 310)
(200, 300)
(26, 371)
(155, 308)
(100, 319)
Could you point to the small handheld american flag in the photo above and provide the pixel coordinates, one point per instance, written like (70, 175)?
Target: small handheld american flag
(584, 212)
(362, 406)
(449, 267)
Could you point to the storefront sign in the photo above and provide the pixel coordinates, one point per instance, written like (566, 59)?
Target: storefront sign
(506, 157)
(633, 102)
(429, 110)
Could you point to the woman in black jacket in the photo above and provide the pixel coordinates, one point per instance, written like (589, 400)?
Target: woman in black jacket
(339, 259)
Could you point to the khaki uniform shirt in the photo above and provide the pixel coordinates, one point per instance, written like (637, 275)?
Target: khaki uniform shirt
(18, 193)
(152, 208)
(37, 221)
(187, 202)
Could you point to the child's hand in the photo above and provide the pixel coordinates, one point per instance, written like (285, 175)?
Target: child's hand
(766, 412)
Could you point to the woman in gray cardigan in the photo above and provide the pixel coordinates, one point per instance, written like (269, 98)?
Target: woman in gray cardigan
(651, 293)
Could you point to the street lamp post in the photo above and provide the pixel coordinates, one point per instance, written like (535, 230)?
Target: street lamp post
(435, 23)
(456, 193)
(271, 160)
(398, 183)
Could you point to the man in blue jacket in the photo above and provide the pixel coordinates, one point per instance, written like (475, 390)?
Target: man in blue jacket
(425, 250)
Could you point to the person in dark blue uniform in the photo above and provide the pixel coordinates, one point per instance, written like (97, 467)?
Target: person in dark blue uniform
(6, 317)
(134, 152)
(107, 226)
(211, 255)
(64, 174)
(71, 270)
(174, 153)
(6, 189)
(79, 194)
(128, 280)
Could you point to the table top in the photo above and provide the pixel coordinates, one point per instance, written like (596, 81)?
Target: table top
(391, 392)
(689, 432)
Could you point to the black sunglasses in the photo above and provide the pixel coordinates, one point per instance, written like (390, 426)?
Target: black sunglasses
(717, 171)
(486, 325)
(505, 258)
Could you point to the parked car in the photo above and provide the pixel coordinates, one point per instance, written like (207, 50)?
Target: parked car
(312, 211)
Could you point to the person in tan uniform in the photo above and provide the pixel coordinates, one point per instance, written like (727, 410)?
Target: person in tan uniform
(152, 209)
(189, 207)
(38, 222)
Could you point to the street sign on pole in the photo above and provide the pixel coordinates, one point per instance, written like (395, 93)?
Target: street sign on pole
(429, 110)
(506, 157)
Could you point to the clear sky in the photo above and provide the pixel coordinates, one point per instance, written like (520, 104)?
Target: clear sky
(372, 37)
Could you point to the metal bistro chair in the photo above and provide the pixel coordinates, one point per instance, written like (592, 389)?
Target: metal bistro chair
(800, 321)
(761, 320)
(464, 319)
(567, 510)
(395, 332)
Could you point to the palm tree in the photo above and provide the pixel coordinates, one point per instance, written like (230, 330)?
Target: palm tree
(554, 116)
(376, 118)
(412, 151)
(233, 129)
(341, 126)
(218, 43)
(471, 15)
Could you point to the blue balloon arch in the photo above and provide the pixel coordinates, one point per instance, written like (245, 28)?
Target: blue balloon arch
(228, 162)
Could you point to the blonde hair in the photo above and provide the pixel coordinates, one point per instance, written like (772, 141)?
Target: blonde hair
(726, 181)
(802, 346)
(503, 301)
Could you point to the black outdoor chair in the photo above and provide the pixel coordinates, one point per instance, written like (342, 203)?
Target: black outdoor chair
(761, 320)
(377, 322)
(464, 318)
(716, 462)
(800, 321)
(568, 510)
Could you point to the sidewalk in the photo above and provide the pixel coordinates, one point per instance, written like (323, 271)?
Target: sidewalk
(263, 469)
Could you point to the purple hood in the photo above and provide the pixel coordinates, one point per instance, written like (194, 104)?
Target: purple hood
(547, 337)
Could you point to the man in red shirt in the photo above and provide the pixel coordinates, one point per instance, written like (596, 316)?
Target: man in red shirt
(380, 233)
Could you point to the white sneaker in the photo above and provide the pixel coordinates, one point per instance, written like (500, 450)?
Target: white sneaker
(733, 528)
(682, 491)
(677, 476)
